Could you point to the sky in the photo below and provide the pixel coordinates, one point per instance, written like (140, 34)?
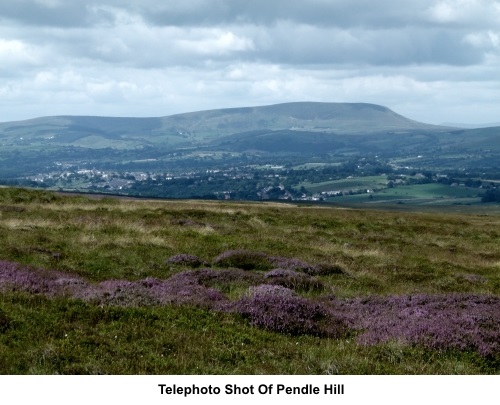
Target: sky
(434, 61)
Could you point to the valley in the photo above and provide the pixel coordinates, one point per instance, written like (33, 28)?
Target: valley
(329, 152)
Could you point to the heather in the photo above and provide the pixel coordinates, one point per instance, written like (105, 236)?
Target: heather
(197, 287)
(243, 259)
(181, 288)
(450, 322)
(294, 264)
(185, 259)
(293, 280)
(251, 260)
(279, 309)
(438, 322)
(36, 281)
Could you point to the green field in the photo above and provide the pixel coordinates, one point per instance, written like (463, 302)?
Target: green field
(356, 183)
(78, 279)
(418, 194)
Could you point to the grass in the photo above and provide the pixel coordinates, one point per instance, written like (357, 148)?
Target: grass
(432, 190)
(374, 254)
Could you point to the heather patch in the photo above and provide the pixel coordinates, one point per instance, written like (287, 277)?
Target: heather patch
(293, 279)
(441, 322)
(182, 288)
(293, 264)
(473, 278)
(251, 260)
(279, 309)
(185, 259)
(267, 291)
(185, 222)
(284, 273)
(194, 224)
(14, 277)
(226, 277)
(243, 259)
(324, 269)
(118, 293)
(232, 282)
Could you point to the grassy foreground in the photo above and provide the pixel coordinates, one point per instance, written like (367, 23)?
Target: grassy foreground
(191, 287)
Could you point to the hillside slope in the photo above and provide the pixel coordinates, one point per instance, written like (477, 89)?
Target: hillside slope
(196, 127)
(311, 116)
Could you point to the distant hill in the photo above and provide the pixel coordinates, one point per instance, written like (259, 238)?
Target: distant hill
(309, 116)
(470, 126)
(301, 128)
(199, 127)
(478, 138)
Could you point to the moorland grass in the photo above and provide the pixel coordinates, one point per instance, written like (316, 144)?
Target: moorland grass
(374, 254)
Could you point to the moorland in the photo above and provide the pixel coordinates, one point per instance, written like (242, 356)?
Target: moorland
(106, 285)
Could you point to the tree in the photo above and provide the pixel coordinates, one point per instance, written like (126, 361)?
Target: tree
(492, 195)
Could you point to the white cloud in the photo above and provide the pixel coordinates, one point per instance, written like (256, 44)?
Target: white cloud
(14, 54)
(494, 38)
(215, 42)
(445, 12)
(474, 12)
(486, 40)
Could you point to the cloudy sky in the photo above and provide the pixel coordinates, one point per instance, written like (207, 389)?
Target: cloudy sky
(431, 60)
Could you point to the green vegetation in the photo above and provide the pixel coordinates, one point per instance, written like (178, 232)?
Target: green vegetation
(359, 253)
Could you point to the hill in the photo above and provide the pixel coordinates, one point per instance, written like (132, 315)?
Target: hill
(199, 127)
(478, 138)
(304, 116)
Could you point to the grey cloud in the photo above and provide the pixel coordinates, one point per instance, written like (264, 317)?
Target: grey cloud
(331, 13)
(30, 12)
(264, 12)
(142, 46)
(146, 33)
(312, 45)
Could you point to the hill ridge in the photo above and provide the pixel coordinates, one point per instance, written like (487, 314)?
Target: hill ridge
(279, 108)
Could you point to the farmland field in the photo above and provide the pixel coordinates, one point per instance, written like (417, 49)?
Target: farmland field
(433, 193)
(367, 182)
